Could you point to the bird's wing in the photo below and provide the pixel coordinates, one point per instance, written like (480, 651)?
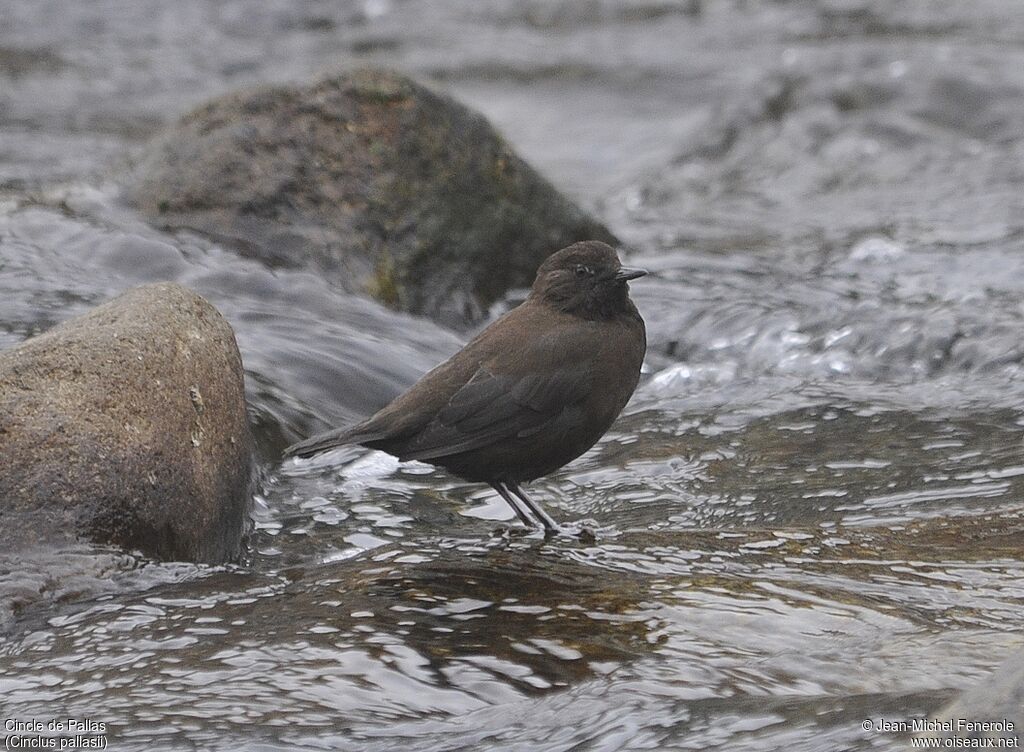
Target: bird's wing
(497, 407)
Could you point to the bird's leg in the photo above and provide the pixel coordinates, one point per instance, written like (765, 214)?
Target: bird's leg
(550, 526)
(500, 488)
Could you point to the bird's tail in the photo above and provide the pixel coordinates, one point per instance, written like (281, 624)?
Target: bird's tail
(319, 443)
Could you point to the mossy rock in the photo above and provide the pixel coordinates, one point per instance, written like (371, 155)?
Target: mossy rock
(394, 190)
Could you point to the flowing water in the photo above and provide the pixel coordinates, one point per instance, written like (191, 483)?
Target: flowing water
(809, 515)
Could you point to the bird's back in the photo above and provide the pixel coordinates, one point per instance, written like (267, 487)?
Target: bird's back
(531, 393)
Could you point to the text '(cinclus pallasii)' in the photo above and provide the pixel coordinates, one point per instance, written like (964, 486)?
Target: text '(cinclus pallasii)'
(531, 392)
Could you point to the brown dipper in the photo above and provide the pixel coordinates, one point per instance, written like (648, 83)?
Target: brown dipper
(532, 392)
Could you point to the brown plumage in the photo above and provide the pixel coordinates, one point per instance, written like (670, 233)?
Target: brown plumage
(532, 392)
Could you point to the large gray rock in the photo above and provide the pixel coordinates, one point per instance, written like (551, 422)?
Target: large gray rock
(128, 425)
(398, 191)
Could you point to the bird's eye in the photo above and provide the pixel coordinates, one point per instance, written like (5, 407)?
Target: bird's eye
(583, 271)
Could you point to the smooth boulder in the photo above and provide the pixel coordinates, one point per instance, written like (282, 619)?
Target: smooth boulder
(128, 425)
(394, 190)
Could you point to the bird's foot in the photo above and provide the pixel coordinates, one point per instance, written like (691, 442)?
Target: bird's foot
(586, 535)
(580, 532)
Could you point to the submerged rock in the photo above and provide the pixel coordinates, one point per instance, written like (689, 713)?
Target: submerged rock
(128, 425)
(395, 190)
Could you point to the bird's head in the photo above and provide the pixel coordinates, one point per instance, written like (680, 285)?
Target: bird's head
(585, 279)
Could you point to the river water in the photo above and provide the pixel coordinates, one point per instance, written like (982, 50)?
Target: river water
(809, 515)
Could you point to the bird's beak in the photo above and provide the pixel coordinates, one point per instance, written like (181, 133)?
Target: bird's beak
(625, 274)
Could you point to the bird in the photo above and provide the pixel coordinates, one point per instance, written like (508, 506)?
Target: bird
(530, 393)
